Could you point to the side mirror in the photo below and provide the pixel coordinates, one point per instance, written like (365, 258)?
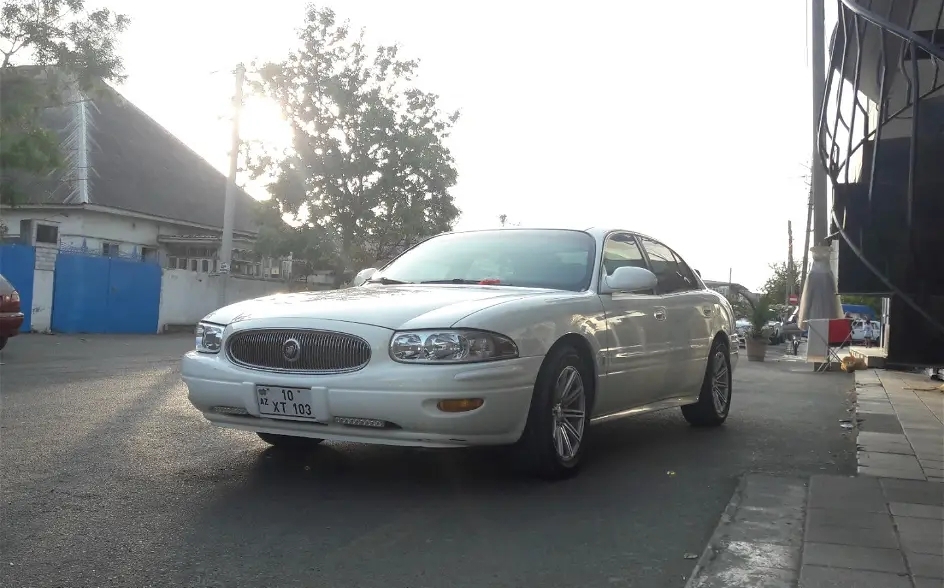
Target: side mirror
(629, 279)
(698, 272)
(362, 276)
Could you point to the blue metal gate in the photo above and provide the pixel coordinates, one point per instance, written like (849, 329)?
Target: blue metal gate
(17, 263)
(94, 294)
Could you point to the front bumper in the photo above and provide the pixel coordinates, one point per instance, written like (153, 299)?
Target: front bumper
(401, 394)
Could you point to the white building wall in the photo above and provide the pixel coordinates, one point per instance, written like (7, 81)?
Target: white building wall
(187, 297)
(93, 228)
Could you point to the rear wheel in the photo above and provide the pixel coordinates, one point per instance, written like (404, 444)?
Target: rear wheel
(554, 438)
(289, 441)
(714, 401)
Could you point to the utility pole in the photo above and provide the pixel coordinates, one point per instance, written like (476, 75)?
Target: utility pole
(806, 242)
(790, 278)
(226, 249)
(818, 172)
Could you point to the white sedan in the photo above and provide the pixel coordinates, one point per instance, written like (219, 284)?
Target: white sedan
(520, 337)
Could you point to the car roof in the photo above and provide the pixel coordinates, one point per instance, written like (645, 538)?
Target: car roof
(598, 232)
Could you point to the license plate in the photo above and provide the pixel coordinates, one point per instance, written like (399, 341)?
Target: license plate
(287, 403)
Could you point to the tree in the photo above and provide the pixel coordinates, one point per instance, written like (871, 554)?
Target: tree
(776, 285)
(65, 46)
(368, 171)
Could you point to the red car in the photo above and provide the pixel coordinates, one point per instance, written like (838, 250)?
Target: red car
(10, 316)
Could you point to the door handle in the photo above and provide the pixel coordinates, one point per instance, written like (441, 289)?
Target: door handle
(707, 311)
(659, 314)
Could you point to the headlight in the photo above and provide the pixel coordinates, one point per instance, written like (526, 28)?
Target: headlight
(209, 338)
(450, 346)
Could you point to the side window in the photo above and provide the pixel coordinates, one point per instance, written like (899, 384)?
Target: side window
(621, 250)
(664, 264)
(686, 272)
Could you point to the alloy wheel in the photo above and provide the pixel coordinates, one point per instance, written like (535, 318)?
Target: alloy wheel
(720, 386)
(569, 413)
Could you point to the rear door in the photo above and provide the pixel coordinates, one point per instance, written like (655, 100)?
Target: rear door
(688, 314)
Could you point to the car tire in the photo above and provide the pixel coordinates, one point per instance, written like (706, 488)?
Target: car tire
(714, 401)
(289, 441)
(3, 342)
(558, 417)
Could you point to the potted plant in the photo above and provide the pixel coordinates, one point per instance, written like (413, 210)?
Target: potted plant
(758, 338)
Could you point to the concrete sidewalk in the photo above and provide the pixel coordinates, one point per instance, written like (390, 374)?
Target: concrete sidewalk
(881, 529)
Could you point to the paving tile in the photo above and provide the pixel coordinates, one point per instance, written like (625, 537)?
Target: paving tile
(921, 535)
(882, 437)
(879, 423)
(933, 473)
(920, 511)
(851, 518)
(913, 492)
(936, 480)
(837, 492)
(877, 472)
(874, 407)
(893, 461)
(922, 564)
(812, 576)
(892, 448)
(884, 538)
(854, 557)
(928, 583)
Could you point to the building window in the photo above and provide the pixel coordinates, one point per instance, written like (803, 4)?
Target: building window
(47, 234)
(149, 255)
(171, 263)
(206, 266)
(181, 263)
(193, 265)
(110, 249)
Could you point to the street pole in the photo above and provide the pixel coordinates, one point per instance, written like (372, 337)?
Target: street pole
(789, 287)
(806, 242)
(818, 172)
(229, 206)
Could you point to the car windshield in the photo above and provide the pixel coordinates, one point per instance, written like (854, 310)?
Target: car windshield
(530, 258)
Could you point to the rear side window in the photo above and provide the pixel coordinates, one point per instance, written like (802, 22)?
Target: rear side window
(674, 275)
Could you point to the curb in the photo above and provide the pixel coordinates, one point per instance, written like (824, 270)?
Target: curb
(710, 552)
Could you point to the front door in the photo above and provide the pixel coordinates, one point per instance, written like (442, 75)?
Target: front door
(637, 336)
(688, 319)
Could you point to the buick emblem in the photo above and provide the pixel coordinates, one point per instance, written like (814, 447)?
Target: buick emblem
(291, 350)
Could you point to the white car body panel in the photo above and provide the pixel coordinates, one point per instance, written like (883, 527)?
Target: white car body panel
(640, 363)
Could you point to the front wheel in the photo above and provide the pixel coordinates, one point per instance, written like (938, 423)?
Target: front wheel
(714, 401)
(289, 442)
(554, 438)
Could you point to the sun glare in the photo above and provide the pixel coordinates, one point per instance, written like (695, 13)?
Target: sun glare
(262, 121)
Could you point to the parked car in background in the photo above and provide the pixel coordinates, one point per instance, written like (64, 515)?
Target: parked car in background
(518, 337)
(859, 334)
(743, 328)
(11, 318)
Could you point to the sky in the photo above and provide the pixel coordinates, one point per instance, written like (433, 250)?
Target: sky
(689, 120)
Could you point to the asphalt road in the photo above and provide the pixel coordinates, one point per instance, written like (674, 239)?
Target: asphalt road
(109, 478)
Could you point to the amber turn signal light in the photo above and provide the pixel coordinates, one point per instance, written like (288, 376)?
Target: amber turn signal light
(459, 404)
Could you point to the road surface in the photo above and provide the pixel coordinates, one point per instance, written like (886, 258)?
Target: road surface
(109, 478)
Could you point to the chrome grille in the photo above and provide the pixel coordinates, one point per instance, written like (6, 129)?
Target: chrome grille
(317, 351)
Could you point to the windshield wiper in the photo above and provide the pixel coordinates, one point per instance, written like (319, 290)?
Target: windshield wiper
(482, 282)
(387, 281)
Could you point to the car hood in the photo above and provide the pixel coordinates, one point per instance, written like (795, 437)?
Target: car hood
(393, 306)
